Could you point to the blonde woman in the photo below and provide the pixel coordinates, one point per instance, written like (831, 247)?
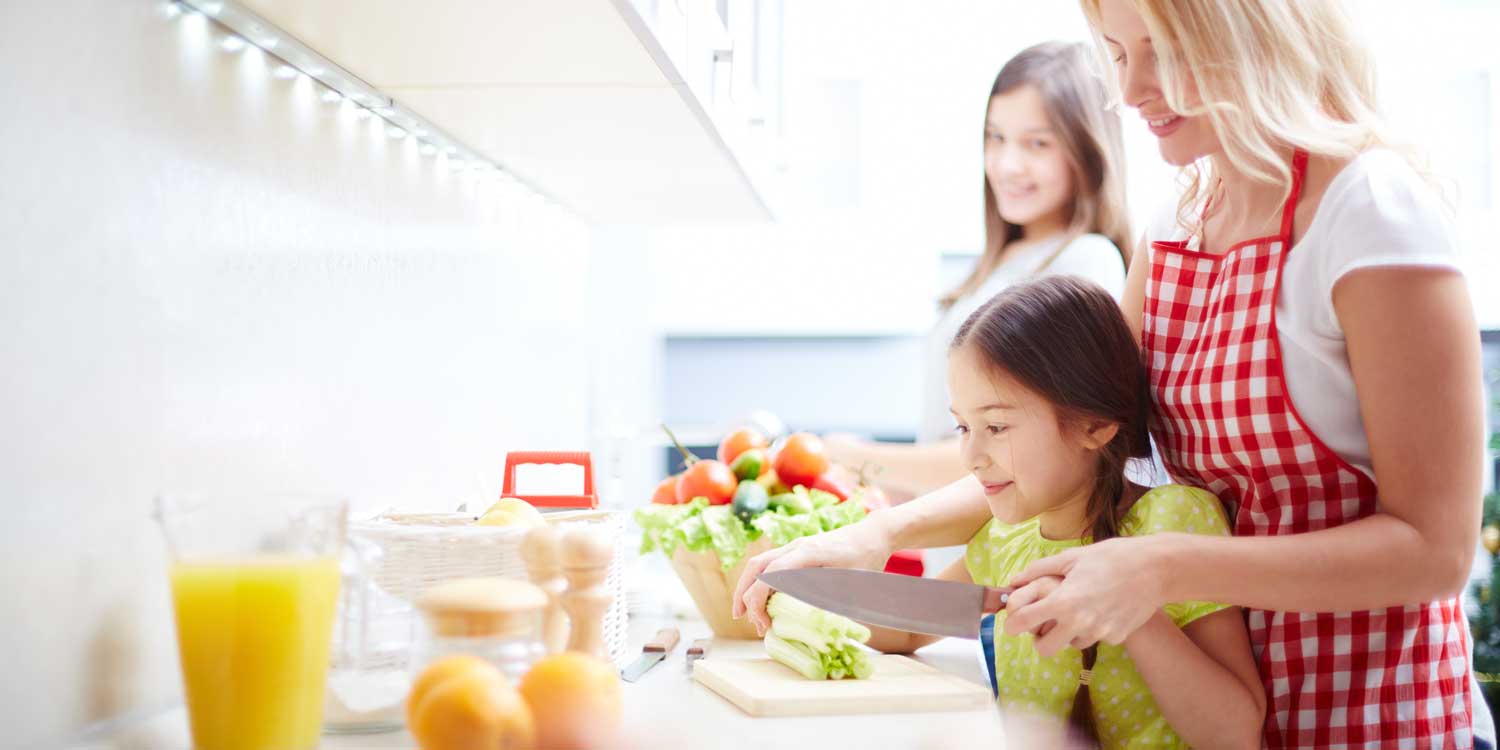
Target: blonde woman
(1314, 362)
(1054, 203)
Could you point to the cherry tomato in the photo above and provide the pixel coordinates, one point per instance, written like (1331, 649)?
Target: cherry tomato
(738, 442)
(801, 460)
(710, 479)
(666, 492)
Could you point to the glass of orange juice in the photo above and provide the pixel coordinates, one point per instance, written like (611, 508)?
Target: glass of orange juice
(255, 585)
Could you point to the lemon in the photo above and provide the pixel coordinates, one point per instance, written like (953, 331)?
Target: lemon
(512, 511)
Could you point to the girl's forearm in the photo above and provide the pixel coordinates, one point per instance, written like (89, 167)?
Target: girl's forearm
(907, 468)
(1375, 562)
(942, 518)
(892, 641)
(1206, 704)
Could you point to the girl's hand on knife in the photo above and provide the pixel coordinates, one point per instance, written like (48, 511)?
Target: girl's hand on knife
(861, 545)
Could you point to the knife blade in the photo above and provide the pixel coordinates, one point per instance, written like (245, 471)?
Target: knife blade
(697, 650)
(917, 605)
(653, 652)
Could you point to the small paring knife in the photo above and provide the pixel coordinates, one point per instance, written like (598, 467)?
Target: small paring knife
(653, 652)
(697, 650)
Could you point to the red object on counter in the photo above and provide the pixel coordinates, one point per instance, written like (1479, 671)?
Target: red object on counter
(906, 562)
(587, 500)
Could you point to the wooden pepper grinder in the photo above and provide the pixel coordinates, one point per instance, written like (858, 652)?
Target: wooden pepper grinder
(586, 554)
(541, 549)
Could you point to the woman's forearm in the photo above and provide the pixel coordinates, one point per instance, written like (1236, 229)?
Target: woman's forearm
(1206, 703)
(904, 467)
(1375, 562)
(942, 518)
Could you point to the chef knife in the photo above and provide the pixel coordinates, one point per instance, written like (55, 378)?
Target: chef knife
(654, 651)
(917, 605)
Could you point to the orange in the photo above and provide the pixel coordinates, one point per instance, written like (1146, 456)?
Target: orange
(464, 703)
(436, 673)
(575, 700)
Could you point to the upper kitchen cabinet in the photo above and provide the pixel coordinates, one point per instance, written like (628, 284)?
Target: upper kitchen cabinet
(647, 111)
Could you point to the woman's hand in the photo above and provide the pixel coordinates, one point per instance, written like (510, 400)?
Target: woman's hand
(1106, 592)
(861, 545)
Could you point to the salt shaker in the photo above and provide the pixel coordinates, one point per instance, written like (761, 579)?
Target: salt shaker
(586, 554)
(541, 549)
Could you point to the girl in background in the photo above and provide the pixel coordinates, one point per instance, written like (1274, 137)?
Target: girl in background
(1054, 203)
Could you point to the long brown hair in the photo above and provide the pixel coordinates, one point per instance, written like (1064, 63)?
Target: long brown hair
(1065, 339)
(1067, 77)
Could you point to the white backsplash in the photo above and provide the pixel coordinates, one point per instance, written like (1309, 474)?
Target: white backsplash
(213, 280)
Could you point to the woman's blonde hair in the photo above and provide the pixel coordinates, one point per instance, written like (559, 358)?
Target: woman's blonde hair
(1075, 98)
(1270, 75)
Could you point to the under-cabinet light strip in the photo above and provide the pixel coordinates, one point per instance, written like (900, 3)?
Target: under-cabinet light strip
(248, 28)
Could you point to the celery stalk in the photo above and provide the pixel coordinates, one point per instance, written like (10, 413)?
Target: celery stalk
(798, 630)
(800, 661)
(814, 643)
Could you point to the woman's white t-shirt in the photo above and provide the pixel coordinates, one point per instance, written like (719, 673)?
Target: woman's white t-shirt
(1376, 212)
(1089, 256)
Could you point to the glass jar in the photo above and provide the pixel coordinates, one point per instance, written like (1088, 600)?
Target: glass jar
(368, 673)
(496, 619)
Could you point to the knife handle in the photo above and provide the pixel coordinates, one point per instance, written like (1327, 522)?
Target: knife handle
(699, 648)
(995, 599)
(663, 643)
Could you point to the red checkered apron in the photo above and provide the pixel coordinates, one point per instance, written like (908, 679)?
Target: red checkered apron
(1389, 678)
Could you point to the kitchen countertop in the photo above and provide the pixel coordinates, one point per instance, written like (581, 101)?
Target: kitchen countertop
(666, 709)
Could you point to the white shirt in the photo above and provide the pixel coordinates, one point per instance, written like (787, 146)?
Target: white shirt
(1088, 256)
(1376, 212)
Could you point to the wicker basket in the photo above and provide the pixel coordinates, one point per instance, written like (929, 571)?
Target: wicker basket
(422, 550)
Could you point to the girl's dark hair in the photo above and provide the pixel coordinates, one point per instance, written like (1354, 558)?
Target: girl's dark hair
(1066, 340)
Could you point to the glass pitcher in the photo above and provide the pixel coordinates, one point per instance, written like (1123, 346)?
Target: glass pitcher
(255, 584)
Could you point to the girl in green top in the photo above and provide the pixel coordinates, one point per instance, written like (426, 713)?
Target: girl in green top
(1049, 394)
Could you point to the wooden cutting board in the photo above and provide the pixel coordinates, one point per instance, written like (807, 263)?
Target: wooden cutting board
(762, 687)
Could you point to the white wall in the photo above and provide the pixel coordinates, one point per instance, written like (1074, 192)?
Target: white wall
(211, 279)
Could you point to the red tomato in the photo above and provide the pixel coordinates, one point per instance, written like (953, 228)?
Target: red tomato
(709, 479)
(738, 442)
(666, 492)
(801, 460)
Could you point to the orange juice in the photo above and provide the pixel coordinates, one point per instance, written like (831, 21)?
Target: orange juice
(254, 636)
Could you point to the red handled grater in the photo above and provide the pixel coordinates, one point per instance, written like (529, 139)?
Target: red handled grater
(586, 501)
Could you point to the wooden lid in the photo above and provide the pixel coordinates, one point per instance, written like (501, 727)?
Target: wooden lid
(480, 607)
